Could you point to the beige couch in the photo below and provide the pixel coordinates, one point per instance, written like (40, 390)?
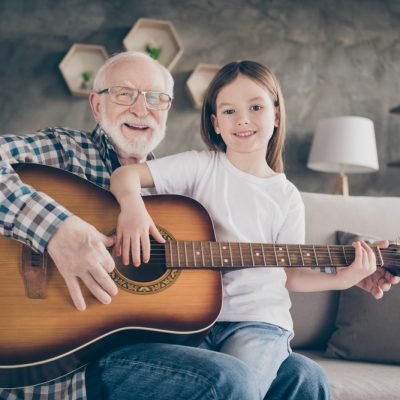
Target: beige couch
(315, 313)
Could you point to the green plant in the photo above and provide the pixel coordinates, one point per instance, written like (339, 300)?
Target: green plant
(86, 75)
(153, 50)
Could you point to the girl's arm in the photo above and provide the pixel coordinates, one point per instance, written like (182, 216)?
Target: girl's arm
(134, 222)
(364, 264)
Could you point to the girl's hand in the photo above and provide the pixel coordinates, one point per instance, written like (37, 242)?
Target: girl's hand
(133, 230)
(364, 265)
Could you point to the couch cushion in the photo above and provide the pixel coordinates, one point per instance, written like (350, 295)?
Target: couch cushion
(366, 329)
(314, 317)
(359, 380)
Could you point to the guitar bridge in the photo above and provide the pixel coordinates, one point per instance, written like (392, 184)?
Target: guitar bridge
(34, 272)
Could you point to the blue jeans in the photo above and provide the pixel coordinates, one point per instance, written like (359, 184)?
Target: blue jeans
(168, 372)
(262, 347)
(172, 372)
(299, 378)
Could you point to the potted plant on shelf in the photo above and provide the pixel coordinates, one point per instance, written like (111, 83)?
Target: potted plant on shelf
(153, 49)
(86, 80)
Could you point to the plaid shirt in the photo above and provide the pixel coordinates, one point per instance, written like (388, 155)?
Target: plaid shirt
(32, 217)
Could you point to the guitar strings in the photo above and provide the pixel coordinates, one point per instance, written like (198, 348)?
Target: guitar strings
(344, 253)
(208, 260)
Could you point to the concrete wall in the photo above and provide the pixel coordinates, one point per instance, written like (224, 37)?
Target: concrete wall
(332, 57)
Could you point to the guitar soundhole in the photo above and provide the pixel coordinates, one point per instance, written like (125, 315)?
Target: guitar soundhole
(147, 278)
(144, 273)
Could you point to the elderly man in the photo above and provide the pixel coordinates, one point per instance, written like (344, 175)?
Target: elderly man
(130, 102)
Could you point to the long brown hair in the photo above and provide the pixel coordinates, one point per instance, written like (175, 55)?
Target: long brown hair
(262, 76)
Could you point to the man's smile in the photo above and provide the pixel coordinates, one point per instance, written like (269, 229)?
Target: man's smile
(136, 127)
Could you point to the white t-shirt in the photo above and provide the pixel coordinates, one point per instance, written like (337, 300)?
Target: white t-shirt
(244, 208)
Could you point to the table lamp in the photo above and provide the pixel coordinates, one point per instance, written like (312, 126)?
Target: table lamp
(344, 145)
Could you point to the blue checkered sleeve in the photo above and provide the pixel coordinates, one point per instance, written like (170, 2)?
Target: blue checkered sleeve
(26, 214)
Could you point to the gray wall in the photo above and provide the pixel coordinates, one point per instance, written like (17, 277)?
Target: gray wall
(332, 57)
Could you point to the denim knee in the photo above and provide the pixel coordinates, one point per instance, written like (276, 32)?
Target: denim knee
(299, 378)
(234, 379)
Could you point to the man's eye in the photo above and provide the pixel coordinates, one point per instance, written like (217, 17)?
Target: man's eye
(125, 93)
(229, 111)
(153, 97)
(256, 107)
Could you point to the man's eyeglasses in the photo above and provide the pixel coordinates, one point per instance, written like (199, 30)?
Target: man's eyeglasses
(126, 96)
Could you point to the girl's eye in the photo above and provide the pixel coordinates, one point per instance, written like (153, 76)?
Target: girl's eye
(228, 111)
(256, 107)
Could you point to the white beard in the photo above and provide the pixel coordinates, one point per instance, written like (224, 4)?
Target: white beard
(137, 147)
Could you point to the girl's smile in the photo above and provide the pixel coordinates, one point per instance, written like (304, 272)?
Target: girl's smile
(244, 134)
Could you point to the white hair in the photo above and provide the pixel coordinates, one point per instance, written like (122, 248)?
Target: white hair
(98, 83)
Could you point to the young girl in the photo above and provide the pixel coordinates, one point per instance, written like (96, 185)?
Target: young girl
(241, 183)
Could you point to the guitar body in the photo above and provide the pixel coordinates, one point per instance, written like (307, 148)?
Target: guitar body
(41, 339)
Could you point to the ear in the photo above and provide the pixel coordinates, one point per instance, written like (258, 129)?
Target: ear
(94, 100)
(277, 116)
(214, 121)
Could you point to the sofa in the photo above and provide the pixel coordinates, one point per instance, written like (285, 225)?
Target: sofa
(355, 338)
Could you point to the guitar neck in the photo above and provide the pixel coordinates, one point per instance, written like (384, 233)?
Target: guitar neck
(227, 256)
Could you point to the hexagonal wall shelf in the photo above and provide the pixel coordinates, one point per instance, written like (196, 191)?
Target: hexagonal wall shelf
(79, 66)
(156, 37)
(198, 81)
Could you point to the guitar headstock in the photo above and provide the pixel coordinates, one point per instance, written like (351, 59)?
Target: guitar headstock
(391, 259)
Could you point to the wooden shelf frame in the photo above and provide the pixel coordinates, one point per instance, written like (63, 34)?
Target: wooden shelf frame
(157, 31)
(198, 81)
(80, 58)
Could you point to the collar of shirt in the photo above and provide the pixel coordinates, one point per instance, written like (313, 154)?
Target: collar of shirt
(106, 149)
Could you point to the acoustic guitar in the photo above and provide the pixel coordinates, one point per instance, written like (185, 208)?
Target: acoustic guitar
(174, 298)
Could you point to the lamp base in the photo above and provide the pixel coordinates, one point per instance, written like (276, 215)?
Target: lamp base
(341, 185)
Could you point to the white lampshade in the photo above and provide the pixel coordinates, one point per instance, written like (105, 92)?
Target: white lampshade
(344, 145)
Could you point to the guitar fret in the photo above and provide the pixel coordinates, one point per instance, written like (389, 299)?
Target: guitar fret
(276, 256)
(281, 260)
(220, 253)
(170, 253)
(241, 254)
(345, 258)
(202, 253)
(287, 252)
(263, 254)
(301, 255)
(194, 254)
(177, 252)
(186, 257)
(380, 262)
(251, 252)
(315, 255)
(329, 253)
(230, 252)
(211, 254)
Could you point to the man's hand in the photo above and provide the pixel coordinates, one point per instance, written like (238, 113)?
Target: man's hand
(80, 251)
(381, 280)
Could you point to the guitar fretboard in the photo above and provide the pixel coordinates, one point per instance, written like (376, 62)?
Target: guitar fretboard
(223, 256)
